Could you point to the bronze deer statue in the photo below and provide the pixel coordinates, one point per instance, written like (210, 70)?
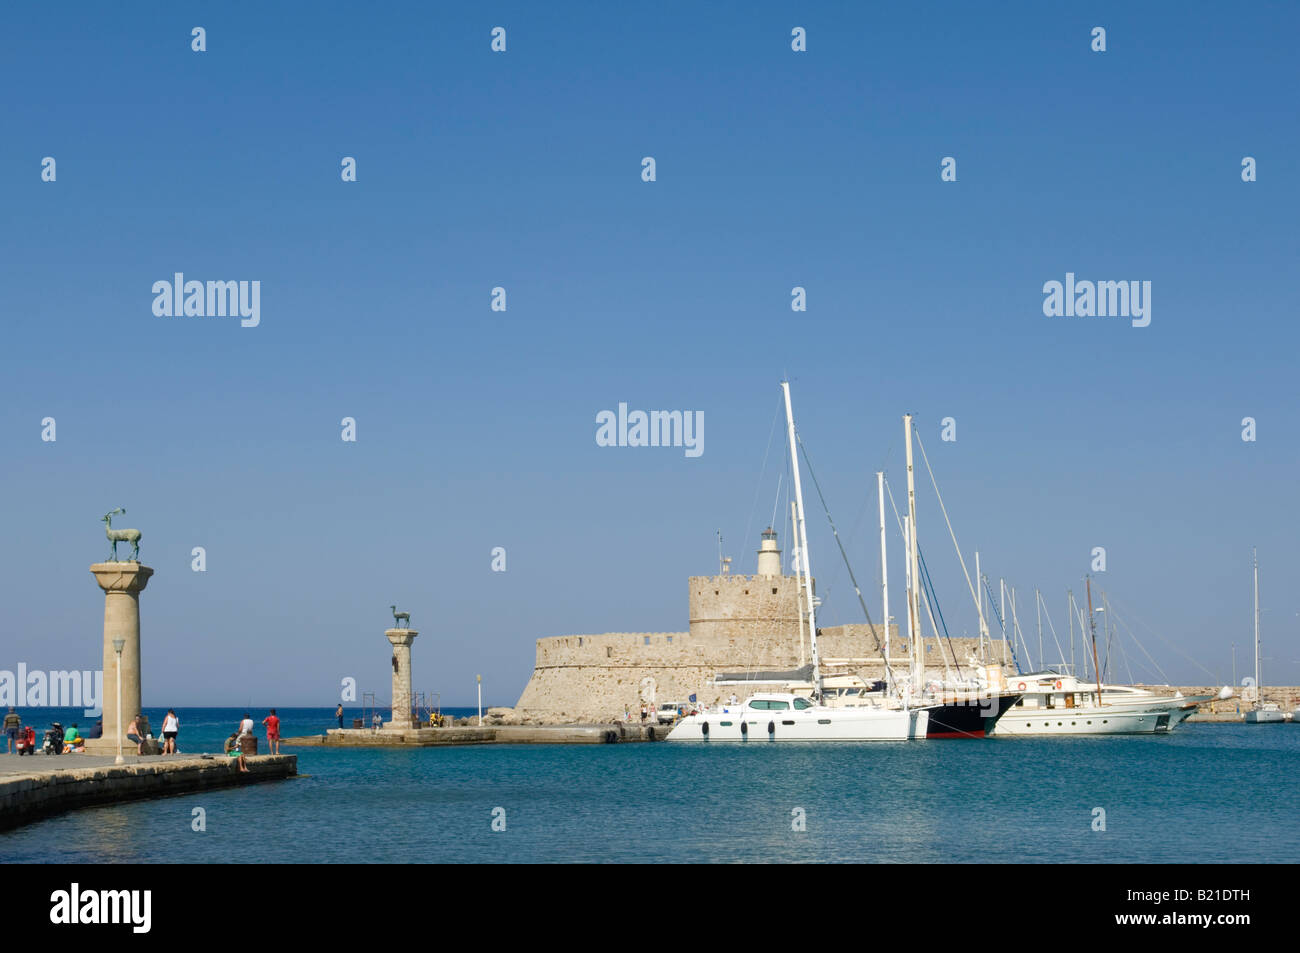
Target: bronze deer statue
(116, 536)
(400, 619)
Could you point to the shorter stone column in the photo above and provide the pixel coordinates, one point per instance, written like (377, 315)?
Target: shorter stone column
(122, 584)
(401, 639)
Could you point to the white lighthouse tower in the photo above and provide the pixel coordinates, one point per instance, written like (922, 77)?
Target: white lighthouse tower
(769, 556)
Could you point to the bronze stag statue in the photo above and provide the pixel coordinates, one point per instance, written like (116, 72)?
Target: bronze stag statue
(116, 536)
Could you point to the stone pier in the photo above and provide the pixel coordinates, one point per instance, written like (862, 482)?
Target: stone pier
(122, 584)
(401, 639)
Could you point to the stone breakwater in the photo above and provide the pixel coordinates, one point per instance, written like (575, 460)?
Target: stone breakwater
(488, 734)
(32, 791)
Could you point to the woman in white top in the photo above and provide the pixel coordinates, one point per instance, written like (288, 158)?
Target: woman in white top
(171, 725)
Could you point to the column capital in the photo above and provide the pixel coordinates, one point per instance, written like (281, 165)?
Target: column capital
(401, 636)
(121, 577)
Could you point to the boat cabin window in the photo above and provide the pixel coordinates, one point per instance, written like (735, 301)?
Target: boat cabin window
(801, 703)
(768, 704)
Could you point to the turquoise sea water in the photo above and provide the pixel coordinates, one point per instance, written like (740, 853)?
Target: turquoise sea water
(1204, 793)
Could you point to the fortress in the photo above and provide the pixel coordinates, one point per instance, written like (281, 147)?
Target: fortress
(740, 627)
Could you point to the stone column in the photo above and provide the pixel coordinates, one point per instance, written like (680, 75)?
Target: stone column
(122, 584)
(401, 639)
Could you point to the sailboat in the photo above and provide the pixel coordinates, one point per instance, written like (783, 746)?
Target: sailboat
(789, 716)
(1261, 714)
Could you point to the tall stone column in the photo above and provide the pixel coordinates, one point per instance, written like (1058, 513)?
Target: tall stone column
(401, 639)
(122, 584)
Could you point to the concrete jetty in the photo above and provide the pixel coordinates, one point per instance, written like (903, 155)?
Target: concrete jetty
(36, 787)
(488, 734)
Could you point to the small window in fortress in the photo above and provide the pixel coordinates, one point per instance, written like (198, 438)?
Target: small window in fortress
(670, 640)
(774, 590)
(717, 592)
(647, 640)
(746, 592)
(579, 641)
(609, 651)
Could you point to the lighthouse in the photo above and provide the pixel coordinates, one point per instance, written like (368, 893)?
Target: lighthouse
(769, 556)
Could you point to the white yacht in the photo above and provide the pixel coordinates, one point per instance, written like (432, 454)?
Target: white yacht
(779, 716)
(1053, 703)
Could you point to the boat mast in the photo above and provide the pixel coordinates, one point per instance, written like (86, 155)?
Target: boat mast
(798, 574)
(914, 602)
(1259, 696)
(1069, 615)
(803, 544)
(1092, 624)
(979, 582)
(884, 577)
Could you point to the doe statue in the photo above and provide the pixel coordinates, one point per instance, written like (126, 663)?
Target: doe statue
(116, 536)
(401, 620)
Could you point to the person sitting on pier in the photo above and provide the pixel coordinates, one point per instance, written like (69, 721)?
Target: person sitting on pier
(133, 734)
(246, 730)
(72, 739)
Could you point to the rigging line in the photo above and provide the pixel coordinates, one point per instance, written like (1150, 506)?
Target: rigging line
(1171, 645)
(1133, 635)
(758, 488)
(943, 509)
(929, 585)
(1008, 643)
(776, 502)
(925, 598)
(1043, 603)
(845, 556)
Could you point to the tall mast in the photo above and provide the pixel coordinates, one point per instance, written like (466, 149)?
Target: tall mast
(912, 562)
(803, 543)
(1002, 609)
(1038, 605)
(1092, 624)
(979, 583)
(907, 582)
(884, 577)
(1069, 615)
(1259, 697)
(798, 574)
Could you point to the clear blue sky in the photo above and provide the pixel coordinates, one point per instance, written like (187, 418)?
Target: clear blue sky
(476, 429)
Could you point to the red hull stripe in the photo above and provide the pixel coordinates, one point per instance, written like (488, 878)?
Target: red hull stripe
(955, 734)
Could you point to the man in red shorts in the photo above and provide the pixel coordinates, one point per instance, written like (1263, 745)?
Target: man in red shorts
(272, 723)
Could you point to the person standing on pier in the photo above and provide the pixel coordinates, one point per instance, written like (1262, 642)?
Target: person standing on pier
(12, 725)
(339, 714)
(171, 727)
(272, 723)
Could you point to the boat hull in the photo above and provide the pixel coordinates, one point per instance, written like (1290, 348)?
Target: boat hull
(1145, 719)
(820, 724)
(1264, 718)
(968, 718)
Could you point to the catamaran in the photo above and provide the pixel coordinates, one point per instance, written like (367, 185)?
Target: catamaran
(789, 716)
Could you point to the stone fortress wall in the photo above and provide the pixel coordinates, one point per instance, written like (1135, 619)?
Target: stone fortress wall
(737, 623)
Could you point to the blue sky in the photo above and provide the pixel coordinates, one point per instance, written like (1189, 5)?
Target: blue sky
(522, 169)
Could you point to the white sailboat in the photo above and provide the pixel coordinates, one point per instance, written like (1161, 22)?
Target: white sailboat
(784, 716)
(1261, 714)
